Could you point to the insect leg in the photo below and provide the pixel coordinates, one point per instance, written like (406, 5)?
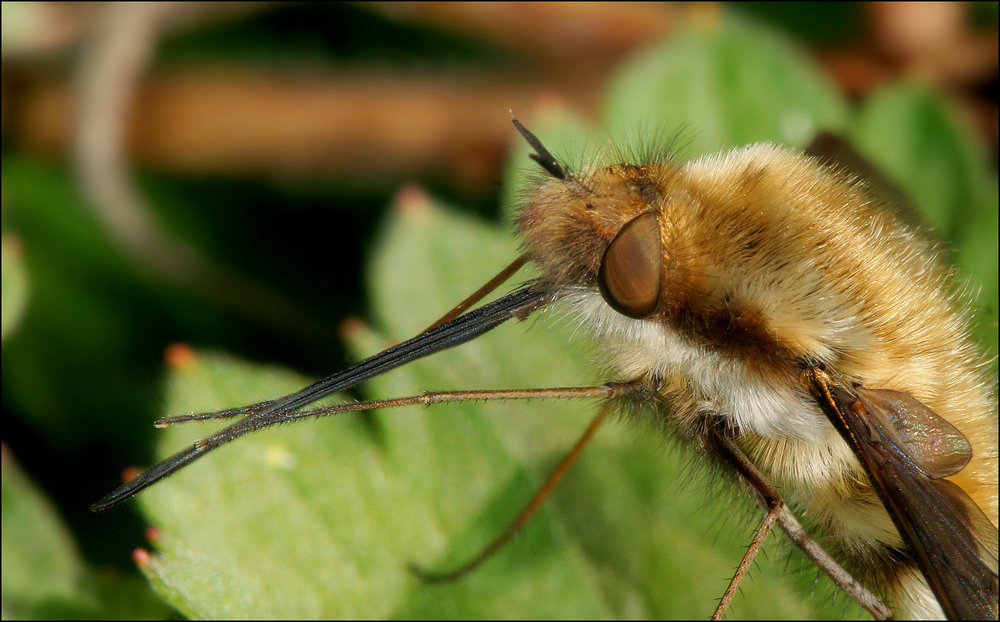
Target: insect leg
(525, 515)
(771, 499)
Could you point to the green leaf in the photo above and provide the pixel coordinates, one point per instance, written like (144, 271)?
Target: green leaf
(724, 81)
(918, 140)
(14, 298)
(37, 544)
(44, 576)
(922, 143)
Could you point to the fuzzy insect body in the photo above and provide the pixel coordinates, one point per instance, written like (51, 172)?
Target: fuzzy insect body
(754, 265)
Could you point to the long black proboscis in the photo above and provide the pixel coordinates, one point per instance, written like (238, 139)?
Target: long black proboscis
(264, 414)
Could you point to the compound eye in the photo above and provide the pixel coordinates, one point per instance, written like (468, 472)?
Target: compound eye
(629, 276)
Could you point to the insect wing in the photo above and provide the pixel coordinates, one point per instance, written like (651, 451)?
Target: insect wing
(942, 525)
(934, 445)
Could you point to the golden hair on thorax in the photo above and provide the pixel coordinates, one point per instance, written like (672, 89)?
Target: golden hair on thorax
(721, 282)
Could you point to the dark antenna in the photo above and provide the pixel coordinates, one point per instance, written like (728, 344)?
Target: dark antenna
(545, 159)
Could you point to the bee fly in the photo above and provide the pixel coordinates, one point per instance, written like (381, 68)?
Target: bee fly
(765, 305)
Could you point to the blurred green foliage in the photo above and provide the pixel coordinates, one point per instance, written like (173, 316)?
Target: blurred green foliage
(319, 519)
